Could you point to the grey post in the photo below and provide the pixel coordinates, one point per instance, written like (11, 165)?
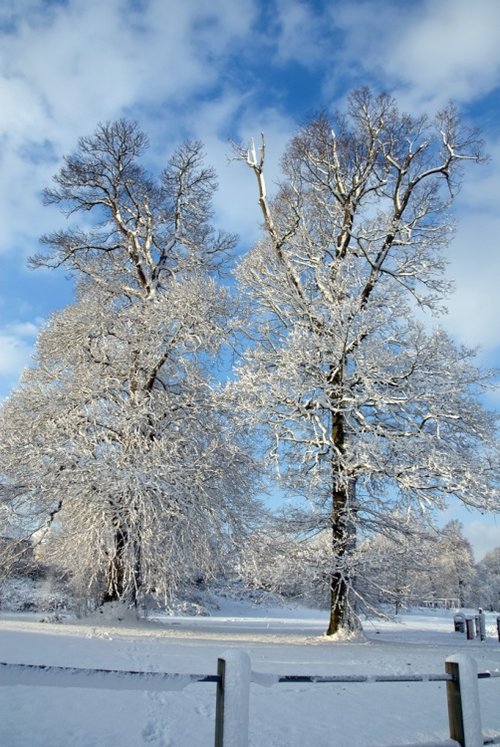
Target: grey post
(469, 627)
(463, 701)
(482, 624)
(233, 700)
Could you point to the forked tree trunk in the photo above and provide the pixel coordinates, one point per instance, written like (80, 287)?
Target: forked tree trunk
(115, 576)
(123, 584)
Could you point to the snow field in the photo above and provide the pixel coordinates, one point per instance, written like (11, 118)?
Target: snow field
(277, 642)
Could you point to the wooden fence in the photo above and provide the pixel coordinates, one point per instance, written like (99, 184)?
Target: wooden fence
(234, 677)
(461, 677)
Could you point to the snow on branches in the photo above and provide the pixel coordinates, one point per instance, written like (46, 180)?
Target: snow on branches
(129, 457)
(367, 412)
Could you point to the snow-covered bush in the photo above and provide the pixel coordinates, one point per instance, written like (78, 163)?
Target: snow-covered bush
(25, 594)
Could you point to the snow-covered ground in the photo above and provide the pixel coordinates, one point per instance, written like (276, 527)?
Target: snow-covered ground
(278, 641)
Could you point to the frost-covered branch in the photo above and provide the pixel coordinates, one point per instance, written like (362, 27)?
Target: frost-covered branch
(366, 412)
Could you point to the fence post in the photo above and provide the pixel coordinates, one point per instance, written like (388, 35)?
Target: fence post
(469, 628)
(463, 701)
(233, 700)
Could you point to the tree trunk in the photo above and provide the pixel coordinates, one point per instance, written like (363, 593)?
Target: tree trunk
(343, 530)
(119, 587)
(340, 581)
(115, 578)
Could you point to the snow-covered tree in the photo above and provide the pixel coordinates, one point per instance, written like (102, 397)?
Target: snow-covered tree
(366, 412)
(117, 441)
(422, 565)
(275, 559)
(452, 569)
(488, 570)
(393, 567)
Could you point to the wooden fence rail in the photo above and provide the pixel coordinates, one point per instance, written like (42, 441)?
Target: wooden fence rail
(38, 675)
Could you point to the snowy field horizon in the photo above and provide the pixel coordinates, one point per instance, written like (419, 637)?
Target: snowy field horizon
(279, 640)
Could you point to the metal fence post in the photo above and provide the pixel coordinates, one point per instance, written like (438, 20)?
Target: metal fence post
(463, 701)
(233, 700)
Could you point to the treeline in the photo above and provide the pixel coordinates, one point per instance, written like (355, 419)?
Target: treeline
(426, 567)
(432, 568)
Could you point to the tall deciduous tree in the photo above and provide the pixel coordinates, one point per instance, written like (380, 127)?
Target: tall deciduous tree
(489, 580)
(367, 412)
(394, 566)
(422, 566)
(454, 568)
(118, 440)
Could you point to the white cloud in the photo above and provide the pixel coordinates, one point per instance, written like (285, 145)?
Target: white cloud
(88, 60)
(450, 50)
(64, 67)
(426, 52)
(300, 35)
(483, 536)
(16, 346)
(17, 339)
(480, 193)
(23, 329)
(14, 355)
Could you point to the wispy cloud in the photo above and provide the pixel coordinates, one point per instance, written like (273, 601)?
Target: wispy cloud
(427, 52)
(300, 33)
(64, 67)
(450, 50)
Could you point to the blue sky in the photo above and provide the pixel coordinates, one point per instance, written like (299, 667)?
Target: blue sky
(229, 69)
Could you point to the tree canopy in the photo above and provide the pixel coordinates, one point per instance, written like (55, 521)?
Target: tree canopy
(368, 414)
(120, 453)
